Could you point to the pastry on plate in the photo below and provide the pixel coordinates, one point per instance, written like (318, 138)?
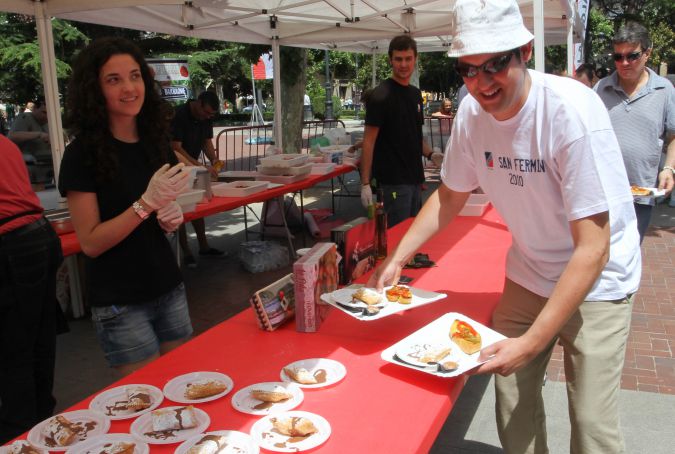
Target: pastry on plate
(435, 354)
(400, 294)
(368, 296)
(209, 444)
(138, 398)
(300, 375)
(117, 448)
(294, 426)
(466, 337)
(207, 387)
(174, 418)
(59, 431)
(277, 394)
(640, 191)
(23, 447)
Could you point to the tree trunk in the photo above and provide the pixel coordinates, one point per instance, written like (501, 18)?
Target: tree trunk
(293, 79)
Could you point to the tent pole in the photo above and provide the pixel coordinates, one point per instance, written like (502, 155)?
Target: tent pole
(539, 60)
(276, 87)
(570, 49)
(374, 72)
(43, 25)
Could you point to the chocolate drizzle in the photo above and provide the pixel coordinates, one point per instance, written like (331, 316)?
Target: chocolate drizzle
(116, 407)
(320, 375)
(161, 435)
(83, 428)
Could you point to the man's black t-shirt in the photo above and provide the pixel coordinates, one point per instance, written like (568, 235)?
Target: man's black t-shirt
(189, 131)
(397, 111)
(142, 266)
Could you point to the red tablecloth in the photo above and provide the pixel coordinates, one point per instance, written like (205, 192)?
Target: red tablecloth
(220, 204)
(70, 245)
(378, 407)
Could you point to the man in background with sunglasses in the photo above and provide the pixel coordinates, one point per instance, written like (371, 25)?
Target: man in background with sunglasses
(542, 148)
(641, 105)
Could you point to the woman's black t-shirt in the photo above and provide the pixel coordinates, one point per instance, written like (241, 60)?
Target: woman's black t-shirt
(142, 266)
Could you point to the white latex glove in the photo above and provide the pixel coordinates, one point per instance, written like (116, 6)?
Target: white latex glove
(366, 195)
(165, 185)
(170, 217)
(437, 158)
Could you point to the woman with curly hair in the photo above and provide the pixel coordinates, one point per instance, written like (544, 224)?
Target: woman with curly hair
(116, 174)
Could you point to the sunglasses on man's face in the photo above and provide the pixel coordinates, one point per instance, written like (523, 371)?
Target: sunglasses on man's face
(492, 66)
(630, 57)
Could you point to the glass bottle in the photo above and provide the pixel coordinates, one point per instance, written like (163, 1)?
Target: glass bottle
(381, 226)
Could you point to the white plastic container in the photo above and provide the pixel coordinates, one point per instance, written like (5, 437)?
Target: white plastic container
(334, 153)
(282, 179)
(238, 188)
(284, 160)
(189, 199)
(322, 168)
(295, 170)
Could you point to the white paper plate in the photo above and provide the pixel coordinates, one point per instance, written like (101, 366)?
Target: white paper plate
(6, 449)
(92, 423)
(656, 192)
(104, 402)
(175, 388)
(242, 400)
(434, 332)
(237, 443)
(267, 439)
(143, 425)
(344, 297)
(330, 370)
(95, 444)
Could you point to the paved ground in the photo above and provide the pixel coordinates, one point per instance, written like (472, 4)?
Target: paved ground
(219, 288)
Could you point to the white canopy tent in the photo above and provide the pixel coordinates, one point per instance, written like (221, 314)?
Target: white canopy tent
(350, 25)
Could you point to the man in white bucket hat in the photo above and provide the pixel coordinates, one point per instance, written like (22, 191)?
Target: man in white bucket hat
(543, 149)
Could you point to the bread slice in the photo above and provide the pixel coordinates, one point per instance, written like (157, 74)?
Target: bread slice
(59, 430)
(276, 395)
(294, 426)
(368, 296)
(300, 375)
(640, 191)
(204, 388)
(466, 337)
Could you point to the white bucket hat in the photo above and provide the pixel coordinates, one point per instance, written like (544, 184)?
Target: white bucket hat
(486, 27)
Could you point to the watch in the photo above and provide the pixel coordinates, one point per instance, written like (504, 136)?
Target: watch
(669, 168)
(140, 210)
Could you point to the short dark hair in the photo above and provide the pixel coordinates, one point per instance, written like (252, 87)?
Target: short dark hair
(39, 102)
(633, 32)
(210, 99)
(402, 42)
(587, 69)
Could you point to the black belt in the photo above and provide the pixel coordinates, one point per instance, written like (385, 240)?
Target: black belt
(24, 229)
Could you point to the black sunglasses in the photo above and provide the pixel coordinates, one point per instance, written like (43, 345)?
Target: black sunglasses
(492, 66)
(631, 57)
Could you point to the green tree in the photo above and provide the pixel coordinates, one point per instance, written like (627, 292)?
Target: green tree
(437, 73)
(657, 15)
(20, 64)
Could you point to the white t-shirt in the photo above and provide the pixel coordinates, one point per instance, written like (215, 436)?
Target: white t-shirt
(556, 161)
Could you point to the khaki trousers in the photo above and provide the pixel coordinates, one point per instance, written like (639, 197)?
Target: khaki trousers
(594, 343)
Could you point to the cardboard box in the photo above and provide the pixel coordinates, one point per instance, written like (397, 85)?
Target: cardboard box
(314, 273)
(274, 304)
(357, 245)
